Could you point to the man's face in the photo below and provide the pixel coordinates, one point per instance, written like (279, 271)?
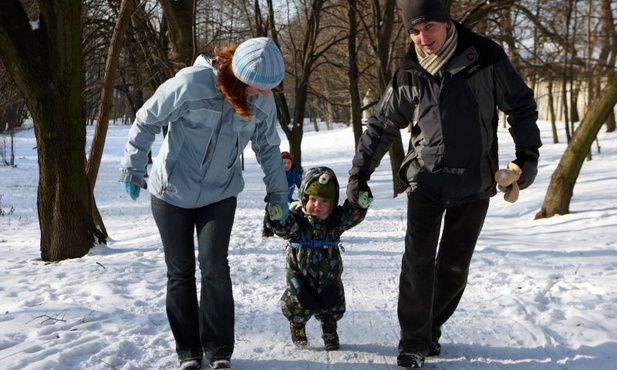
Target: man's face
(430, 35)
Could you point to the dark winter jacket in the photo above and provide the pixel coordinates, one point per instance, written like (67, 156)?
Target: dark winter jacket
(453, 152)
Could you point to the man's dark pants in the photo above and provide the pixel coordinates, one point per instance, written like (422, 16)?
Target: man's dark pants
(432, 280)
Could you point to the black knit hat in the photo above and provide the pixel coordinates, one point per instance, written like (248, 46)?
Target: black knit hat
(418, 11)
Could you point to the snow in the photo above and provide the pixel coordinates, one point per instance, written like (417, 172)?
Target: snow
(542, 294)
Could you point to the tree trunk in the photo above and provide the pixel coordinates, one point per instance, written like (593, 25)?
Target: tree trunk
(561, 187)
(282, 107)
(607, 55)
(610, 122)
(180, 16)
(354, 74)
(64, 198)
(102, 121)
(308, 55)
(46, 65)
(384, 34)
(551, 107)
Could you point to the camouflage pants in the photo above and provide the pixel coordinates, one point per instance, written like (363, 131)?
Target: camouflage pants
(314, 285)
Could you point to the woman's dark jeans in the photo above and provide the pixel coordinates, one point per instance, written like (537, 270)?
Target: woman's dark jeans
(433, 280)
(208, 325)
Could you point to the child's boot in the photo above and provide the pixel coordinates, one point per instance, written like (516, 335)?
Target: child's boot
(298, 334)
(330, 337)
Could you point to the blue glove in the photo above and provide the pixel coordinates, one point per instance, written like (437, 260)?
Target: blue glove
(131, 189)
(278, 211)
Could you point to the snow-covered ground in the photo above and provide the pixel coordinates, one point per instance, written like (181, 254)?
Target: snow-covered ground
(542, 294)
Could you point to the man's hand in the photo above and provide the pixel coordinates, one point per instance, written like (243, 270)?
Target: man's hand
(527, 160)
(358, 192)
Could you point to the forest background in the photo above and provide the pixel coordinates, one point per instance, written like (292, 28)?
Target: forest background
(66, 65)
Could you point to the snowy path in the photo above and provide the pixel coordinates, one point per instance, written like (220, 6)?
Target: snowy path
(542, 294)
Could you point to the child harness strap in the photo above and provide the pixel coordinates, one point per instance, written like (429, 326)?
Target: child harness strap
(315, 243)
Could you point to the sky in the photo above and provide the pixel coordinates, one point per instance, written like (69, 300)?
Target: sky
(542, 294)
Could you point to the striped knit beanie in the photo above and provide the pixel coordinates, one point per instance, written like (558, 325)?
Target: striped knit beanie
(258, 62)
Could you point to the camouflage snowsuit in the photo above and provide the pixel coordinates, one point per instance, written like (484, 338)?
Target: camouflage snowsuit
(314, 264)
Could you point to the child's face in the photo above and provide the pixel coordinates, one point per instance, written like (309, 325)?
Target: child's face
(286, 164)
(317, 206)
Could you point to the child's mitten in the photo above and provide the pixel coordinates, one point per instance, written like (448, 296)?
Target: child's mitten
(278, 211)
(506, 181)
(296, 205)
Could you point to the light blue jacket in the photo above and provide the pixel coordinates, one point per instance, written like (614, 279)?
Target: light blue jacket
(199, 161)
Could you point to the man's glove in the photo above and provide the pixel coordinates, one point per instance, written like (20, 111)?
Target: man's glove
(278, 211)
(131, 189)
(527, 160)
(358, 192)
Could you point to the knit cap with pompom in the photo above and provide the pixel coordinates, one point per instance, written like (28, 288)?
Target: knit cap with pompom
(321, 182)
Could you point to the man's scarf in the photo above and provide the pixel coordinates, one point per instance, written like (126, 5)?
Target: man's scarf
(433, 62)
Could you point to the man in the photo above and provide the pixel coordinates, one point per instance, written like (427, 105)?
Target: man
(457, 80)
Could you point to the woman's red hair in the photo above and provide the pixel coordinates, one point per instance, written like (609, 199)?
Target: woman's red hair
(233, 89)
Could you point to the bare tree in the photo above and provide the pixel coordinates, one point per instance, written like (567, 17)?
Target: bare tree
(608, 53)
(306, 49)
(100, 132)
(378, 21)
(180, 17)
(561, 187)
(45, 62)
(12, 106)
(354, 73)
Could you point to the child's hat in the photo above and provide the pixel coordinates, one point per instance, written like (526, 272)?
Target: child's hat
(286, 155)
(258, 62)
(322, 182)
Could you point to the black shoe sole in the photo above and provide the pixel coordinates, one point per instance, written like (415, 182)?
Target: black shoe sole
(224, 365)
(410, 361)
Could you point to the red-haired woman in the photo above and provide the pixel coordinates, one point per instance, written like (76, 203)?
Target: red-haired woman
(212, 110)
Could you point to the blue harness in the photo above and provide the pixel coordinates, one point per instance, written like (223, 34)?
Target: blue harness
(315, 243)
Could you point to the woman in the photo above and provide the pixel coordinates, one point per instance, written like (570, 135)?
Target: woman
(212, 110)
